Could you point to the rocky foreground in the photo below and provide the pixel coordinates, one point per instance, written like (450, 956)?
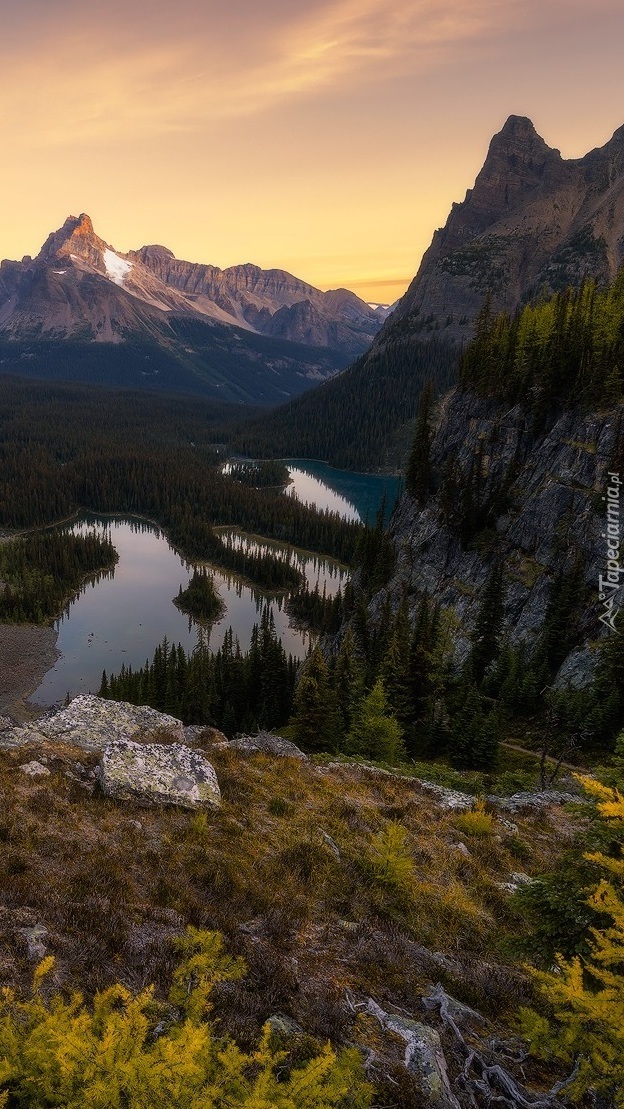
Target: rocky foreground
(370, 908)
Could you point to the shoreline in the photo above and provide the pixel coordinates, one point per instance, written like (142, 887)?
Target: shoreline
(27, 652)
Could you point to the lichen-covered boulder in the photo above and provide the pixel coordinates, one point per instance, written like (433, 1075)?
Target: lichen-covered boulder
(267, 744)
(93, 722)
(158, 774)
(424, 1056)
(198, 734)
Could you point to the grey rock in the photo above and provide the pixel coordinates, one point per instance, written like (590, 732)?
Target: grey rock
(35, 769)
(541, 799)
(24, 735)
(516, 881)
(463, 1016)
(265, 743)
(283, 1025)
(424, 1057)
(201, 733)
(577, 670)
(154, 774)
(462, 849)
(92, 723)
(34, 939)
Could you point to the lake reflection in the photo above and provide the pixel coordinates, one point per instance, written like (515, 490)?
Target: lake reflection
(121, 618)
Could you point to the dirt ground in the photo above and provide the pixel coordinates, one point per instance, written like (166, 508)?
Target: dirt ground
(26, 653)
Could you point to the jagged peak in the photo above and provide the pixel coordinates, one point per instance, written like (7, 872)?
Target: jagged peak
(76, 236)
(518, 133)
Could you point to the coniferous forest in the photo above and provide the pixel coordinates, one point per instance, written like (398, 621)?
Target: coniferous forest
(41, 572)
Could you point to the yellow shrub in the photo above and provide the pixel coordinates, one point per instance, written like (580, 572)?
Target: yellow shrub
(115, 1055)
(477, 822)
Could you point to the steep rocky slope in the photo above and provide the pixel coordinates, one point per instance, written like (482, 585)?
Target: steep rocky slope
(540, 499)
(532, 221)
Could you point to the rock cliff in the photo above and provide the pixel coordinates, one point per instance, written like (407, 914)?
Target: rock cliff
(532, 221)
(548, 515)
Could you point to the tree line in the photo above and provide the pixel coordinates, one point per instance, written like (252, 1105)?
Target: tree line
(232, 690)
(64, 449)
(39, 573)
(566, 349)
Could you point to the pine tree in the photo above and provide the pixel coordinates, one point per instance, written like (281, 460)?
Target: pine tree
(315, 720)
(375, 732)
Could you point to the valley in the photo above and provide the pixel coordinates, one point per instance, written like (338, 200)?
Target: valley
(312, 732)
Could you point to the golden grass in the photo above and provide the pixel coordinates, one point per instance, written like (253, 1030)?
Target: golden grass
(324, 880)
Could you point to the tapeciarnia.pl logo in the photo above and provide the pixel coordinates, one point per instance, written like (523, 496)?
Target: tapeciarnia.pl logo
(609, 583)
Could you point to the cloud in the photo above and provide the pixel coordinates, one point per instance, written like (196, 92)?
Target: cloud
(78, 75)
(81, 74)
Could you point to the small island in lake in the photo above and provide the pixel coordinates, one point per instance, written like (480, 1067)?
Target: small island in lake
(200, 599)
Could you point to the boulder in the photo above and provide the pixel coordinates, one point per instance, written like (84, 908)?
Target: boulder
(35, 769)
(265, 743)
(155, 774)
(92, 723)
(195, 734)
(34, 938)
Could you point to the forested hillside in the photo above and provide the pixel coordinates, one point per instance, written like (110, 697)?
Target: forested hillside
(355, 420)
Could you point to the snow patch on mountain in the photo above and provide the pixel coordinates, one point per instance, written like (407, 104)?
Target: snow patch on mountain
(117, 269)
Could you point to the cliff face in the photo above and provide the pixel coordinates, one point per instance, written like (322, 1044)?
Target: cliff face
(553, 517)
(532, 221)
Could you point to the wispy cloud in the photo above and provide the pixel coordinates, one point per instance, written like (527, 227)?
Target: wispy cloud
(148, 69)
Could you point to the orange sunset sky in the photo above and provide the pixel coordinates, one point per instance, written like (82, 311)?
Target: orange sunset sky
(325, 138)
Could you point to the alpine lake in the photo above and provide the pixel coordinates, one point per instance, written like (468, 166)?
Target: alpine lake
(119, 617)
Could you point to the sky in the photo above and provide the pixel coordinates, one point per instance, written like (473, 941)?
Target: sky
(325, 137)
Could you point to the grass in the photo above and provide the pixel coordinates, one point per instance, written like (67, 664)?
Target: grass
(323, 879)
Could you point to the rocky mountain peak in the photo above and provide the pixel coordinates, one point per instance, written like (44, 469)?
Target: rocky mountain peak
(76, 237)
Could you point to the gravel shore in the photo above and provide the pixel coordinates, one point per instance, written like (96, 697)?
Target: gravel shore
(26, 654)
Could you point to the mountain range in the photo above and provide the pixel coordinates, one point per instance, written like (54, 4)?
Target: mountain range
(243, 333)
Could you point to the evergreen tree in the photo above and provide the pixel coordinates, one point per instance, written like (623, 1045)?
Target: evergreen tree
(487, 631)
(348, 681)
(315, 720)
(474, 733)
(396, 669)
(375, 732)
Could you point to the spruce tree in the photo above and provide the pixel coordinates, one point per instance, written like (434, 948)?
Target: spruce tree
(488, 626)
(375, 732)
(348, 681)
(315, 721)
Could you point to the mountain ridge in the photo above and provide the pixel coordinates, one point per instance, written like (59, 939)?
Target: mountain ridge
(244, 334)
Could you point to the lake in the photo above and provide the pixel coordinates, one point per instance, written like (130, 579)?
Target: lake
(121, 617)
(354, 496)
